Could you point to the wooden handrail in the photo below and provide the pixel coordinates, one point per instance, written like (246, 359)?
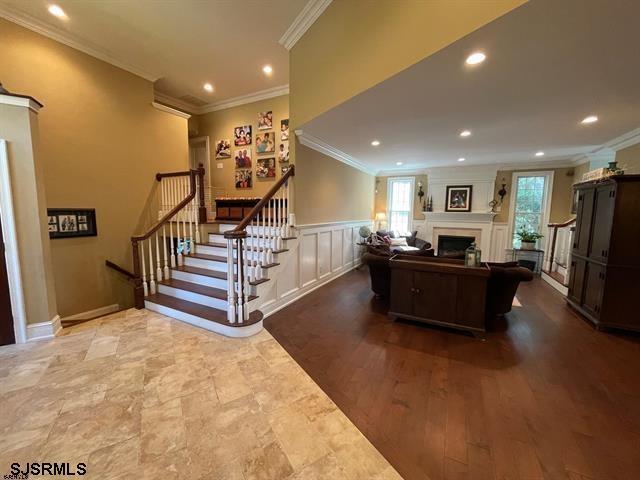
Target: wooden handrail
(119, 269)
(240, 230)
(563, 224)
(173, 212)
(160, 176)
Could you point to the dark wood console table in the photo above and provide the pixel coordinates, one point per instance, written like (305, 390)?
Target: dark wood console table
(439, 291)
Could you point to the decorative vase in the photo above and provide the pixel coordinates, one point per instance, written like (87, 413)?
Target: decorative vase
(528, 245)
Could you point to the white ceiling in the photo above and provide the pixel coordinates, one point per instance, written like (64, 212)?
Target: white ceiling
(549, 64)
(181, 43)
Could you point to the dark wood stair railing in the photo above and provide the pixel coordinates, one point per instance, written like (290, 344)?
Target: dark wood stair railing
(269, 224)
(119, 269)
(181, 190)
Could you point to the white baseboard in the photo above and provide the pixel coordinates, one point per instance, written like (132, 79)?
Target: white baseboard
(44, 330)
(555, 284)
(96, 312)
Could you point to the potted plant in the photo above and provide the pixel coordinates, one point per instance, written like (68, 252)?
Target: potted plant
(528, 239)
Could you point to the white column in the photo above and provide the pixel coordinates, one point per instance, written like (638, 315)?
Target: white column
(152, 282)
(231, 307)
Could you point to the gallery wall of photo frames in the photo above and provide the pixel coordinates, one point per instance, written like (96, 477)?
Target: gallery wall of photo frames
(271, 149)
(72, 222)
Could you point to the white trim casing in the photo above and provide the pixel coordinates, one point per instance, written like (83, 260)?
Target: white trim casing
(546, 209)
(309, 14)
(96, 312)
(20, 101)
(320, 146)
(59, 35)
(11, 247)
(44, 330)
(172, 111)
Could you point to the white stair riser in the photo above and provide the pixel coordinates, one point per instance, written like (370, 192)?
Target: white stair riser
(226, 228)
(222, 252)
(250, 241)
(194, 297)
(207, 281)
(200, 279)
(236, 332)
(202, 263)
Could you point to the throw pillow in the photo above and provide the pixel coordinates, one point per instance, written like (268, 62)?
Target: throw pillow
(398, 242)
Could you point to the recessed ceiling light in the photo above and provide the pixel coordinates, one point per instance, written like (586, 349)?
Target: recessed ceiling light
(267, 69)
(208, 87)
(57, 11)
(476, 58)
(539, 154)
(465, 133)
(590, 119)
(375, 143)
(398, 163)
(461, 159)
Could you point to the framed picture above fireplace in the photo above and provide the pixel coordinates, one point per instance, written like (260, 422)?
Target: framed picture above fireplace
(458, 198)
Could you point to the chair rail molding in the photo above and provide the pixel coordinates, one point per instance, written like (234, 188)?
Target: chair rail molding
(11, 247)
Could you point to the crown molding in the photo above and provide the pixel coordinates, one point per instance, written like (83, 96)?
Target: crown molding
(172, 111)
(176, 103)
(625, 140)
(244, 99)
(309, 14)
(59, 35)
(391, 172)
(319, 146)
(20, 101)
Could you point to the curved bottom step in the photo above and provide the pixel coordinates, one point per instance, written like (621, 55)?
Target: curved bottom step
(204, 317)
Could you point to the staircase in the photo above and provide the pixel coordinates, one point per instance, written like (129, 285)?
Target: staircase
(210, 275)
(557, 265)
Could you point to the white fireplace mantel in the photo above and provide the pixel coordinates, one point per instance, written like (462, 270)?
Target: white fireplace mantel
(459, 217)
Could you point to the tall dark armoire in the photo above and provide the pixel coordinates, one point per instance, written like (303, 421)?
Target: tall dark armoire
(604, 282)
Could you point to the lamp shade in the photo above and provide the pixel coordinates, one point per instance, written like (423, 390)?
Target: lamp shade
(380, 216)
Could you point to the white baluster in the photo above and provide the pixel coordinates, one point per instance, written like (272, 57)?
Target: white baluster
(158, 263)
(287, 230)
(166, 258)
(231, 304)
(171, 221)
(249, 262)
(264, 237)
(196, 212)
(145, 286)
(280, 221)
(240, 282)
(187, 239)
(272, 220)
(189, 211)
(256, 245)
(152, 282)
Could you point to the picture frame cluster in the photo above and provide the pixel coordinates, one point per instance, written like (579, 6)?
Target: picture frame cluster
(268, 146)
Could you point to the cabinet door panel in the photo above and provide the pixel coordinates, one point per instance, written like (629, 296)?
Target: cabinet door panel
(593, 288)
(401, 291)
(602, 220)
(583, 221)
(435, 296)
(576, 280)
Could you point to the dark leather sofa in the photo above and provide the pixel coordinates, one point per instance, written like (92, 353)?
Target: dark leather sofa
(377, 259)
(502, 286)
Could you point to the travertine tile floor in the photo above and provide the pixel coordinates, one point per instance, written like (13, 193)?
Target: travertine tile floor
(139, 395)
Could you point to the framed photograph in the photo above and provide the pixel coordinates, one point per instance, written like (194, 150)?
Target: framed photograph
(283, 152)
(243, 158)
(283, 169)
(244, 178)
(242, 136)
(266, 168)
(458, 198)
(265, 120)
(284, 130)
(223, 149)
(265, 142)
(71, 222)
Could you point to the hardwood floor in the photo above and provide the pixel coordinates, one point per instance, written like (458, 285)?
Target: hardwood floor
(545, 397)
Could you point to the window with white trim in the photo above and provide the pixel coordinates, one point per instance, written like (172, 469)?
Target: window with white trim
(400, 203)
(530, 198)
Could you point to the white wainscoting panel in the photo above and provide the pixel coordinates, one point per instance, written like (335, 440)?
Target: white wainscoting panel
(320, 254)
(499, 242)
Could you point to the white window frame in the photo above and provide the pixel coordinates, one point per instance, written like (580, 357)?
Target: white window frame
(412, 180)
(546, 208)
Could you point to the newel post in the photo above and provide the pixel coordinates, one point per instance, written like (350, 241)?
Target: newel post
(138, 290)
(202, 208)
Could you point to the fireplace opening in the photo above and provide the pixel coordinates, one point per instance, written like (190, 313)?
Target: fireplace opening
(453, 246)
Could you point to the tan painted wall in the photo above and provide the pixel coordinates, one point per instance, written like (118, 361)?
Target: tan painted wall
(580, 170)
(356, 44)
(381, 195)
(629, 158)
(329, 190)
(219, 125)
(101, 144)
(563, 179)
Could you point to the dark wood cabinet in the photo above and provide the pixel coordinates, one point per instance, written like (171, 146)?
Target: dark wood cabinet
(439, 293)
(605, 265)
